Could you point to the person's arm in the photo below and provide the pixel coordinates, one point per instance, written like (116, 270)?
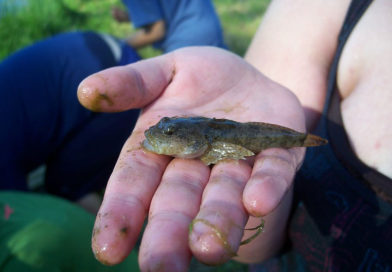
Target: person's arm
(147, 35)
(294, 46)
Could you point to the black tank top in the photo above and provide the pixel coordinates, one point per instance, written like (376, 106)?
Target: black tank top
(342, 218)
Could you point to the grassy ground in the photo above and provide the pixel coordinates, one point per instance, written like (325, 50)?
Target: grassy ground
(38, 19)
(21, 26)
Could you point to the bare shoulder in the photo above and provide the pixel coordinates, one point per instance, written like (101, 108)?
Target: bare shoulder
(365, 83)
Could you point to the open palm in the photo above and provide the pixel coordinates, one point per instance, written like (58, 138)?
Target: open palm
(199, 81)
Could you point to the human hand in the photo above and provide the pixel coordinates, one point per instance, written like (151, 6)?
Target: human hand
(120, 15)
(198, 81)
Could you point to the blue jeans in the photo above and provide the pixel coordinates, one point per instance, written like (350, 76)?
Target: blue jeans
(42, 121)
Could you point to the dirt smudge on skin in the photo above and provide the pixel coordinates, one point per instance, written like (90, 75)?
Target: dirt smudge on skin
(96, 103)
(100, 96)
(96, 231)
(124, 231)
(107, 252)
(100, 215)
(235, 108)
(105, 97)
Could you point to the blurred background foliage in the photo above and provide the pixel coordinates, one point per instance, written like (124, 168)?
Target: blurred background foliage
(23, 22)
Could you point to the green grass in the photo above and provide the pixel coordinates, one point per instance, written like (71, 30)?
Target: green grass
(44, 18)
(240, 19)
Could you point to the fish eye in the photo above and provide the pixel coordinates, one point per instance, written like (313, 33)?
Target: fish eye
(165, 119)
(169, 130)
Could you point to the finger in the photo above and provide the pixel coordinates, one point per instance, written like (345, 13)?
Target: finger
(217, 230)
(127, 197)
(268, 193)
(175, 204)
(272, 176)
(268, 239)
(126, 87)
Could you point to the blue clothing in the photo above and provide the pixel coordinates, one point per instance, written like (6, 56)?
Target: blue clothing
(187, 22)
(342, 218)
(43, 122)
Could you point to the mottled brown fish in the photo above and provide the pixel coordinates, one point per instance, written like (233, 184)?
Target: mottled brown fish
(213, 140)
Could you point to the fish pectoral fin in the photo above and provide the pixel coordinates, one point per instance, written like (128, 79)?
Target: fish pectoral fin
(222, 150)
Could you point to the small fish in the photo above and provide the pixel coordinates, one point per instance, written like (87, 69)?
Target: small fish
(214, 140)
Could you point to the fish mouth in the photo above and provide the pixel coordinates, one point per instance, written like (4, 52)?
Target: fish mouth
(169, 150)
(146, 145)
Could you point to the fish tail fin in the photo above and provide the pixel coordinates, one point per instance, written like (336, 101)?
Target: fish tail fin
(314, 140)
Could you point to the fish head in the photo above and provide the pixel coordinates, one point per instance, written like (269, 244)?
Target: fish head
(177, 137)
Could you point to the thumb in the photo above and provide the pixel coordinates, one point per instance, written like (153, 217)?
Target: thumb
(126, 87)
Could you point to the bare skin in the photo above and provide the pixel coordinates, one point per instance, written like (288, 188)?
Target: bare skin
(210, 82)
(299, 58)
(364, 79)
(147, 36)
(143, 36)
